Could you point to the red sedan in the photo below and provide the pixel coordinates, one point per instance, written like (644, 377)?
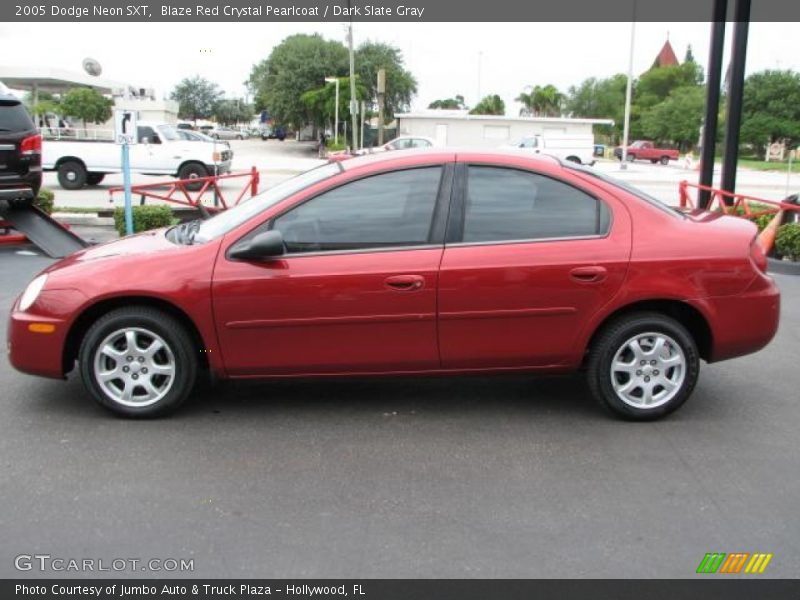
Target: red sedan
(410, 262)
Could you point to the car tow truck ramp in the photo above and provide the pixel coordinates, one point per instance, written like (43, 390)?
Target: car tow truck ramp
(49, 235)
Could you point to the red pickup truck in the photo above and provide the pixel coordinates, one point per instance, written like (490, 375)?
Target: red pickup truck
(644, 150)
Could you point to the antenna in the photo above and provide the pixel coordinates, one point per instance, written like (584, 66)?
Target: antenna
(92, 67)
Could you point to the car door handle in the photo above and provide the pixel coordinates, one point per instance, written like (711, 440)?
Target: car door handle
(588, 274)
(405, 283)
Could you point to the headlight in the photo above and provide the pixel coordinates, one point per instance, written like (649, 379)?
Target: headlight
(32, 292)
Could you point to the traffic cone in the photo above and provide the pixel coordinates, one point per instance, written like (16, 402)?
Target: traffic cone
(766, 239)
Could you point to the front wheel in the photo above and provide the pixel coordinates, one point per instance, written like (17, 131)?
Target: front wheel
(630, 157)
(643, 366)
(138, 362)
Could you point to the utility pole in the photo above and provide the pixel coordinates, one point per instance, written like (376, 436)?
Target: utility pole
(381, 100)
(628, 93)
(353, 103)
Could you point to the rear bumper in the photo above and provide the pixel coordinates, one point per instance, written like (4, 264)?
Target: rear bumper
(16, 193)
(745, 323)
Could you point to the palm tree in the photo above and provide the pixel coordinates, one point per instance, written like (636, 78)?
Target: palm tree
(542, 101)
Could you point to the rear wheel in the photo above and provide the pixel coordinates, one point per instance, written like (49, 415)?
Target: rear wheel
(643, 366)
(72, 175)
(664, 160)
(138, 362)
(193, 171)
(95, 178)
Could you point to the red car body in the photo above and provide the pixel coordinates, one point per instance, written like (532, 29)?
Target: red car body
(447, 307)
(644, 150)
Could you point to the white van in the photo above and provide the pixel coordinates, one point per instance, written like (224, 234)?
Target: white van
(576, 148)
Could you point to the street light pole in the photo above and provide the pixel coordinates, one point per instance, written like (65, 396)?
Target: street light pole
(628, 93)
(336, 109)
(353, 104)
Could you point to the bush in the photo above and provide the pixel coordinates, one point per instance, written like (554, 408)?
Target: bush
(144, 218)
(44, 201)
(787, 241)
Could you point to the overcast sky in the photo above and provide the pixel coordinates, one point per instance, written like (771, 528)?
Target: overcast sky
(446, 58)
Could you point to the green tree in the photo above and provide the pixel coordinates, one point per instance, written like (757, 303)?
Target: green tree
(677, 119)
(771, 108)
(87, 104)
(321, 102)
(456, 103)
(490, 105)
(401, 86)
(542, 101)
(230, 111)
(600, 99)
(298, 64)
(656, 84)
(196, 97)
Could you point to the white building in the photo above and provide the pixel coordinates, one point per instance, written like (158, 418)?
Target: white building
(459, 128)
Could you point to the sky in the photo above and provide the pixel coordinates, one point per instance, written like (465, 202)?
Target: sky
(446, 58)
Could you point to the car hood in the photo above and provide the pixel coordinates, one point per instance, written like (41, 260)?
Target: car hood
(147, 242)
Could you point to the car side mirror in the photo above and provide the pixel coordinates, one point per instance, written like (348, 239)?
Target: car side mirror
(265, 245)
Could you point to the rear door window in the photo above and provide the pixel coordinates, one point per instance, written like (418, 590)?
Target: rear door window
(14, 117)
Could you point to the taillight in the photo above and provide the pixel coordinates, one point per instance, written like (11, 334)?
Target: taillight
(758, 256)
(31, 145)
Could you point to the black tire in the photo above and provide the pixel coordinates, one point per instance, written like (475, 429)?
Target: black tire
(95, 178)
(72, 175)
(184, 356)
(574, 159)
(664, 160)
(654, 160)
(239, 137)
(614, 338)
(192, 171)
(630, 157)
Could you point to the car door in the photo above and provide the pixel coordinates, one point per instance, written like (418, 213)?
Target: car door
(355, 291)
(528, 259)
(148, 155)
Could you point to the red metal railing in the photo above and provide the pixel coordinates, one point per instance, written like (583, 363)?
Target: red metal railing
(742, 205)
(177, 191)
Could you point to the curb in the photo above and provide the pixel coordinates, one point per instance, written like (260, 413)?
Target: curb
(82, 219)
(784, 267)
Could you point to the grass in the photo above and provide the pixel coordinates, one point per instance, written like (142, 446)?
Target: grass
(82, 209)
(762, 165)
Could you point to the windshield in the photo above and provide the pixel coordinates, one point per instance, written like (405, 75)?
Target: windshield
(168, 133)
(224, 222)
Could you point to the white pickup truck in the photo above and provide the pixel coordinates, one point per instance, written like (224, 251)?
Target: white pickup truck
(82, 158)
(575, 148)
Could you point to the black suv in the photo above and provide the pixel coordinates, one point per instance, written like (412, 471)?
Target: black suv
(20, 152)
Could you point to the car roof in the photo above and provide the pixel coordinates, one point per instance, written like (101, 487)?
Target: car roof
(427, 155)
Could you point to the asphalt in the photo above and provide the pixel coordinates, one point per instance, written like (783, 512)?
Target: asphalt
(470, 477)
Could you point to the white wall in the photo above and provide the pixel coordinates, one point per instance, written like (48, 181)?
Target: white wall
(486, 133)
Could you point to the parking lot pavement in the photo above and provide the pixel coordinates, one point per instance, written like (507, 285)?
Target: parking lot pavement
(662, 181)
(274, 160)
(471, 477)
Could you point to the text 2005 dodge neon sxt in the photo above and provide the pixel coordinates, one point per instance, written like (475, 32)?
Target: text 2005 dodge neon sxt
(412, 262)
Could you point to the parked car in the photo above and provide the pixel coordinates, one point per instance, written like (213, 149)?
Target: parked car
(424, 262)
(225, 133)
(276, 132)
(20, 152)
(644, 150)
(403, 142)
(161, 150)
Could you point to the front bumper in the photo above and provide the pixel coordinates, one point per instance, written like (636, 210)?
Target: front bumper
(36, 353)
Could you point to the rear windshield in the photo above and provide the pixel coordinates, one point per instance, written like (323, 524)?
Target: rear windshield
(14, 117)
